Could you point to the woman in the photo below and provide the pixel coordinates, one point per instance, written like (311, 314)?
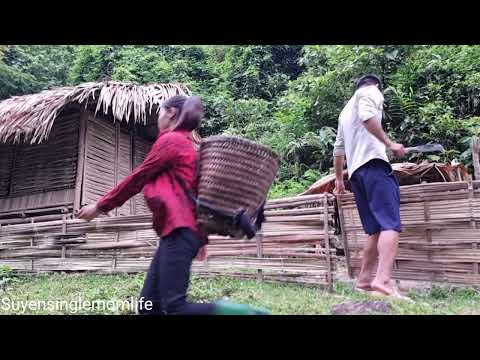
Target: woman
(172, 156)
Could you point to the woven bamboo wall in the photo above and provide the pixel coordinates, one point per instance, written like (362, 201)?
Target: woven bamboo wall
(100, 165)
(46, 200)
(141, 147)
(42, 174)
(124, 166)
(6, 164)
(112, 152)
(294, 245)
(48, 166)
(441, 236)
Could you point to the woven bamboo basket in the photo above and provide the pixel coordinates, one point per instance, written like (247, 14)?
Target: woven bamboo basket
(235, 174)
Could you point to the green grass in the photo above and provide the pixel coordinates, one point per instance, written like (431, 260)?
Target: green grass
(279, 298)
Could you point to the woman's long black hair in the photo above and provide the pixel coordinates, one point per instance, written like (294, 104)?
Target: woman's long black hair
(189, 111)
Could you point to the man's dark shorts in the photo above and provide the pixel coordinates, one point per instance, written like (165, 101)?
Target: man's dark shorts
(377, 195)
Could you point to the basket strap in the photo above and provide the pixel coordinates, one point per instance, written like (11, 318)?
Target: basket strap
(239, 219)
(200, 203)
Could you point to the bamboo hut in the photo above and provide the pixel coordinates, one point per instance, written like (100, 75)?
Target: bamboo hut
(65, 147)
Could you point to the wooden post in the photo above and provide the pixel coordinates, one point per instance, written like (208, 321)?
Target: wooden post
(341, 218)
(327, 243)
(64, 232)
(14, 159)
(117, 158)
(80, 160)
(259, 240)
(32, 238)
(133, 209)
(475, 156)
(115, 253)
(473, 223)
(428, 232)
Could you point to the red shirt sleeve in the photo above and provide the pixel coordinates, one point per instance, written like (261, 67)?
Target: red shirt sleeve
(161, 157)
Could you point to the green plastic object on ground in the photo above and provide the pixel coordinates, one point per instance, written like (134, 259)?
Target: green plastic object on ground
(229, 308)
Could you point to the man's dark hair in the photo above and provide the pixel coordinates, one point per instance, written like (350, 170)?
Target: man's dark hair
(369, 79)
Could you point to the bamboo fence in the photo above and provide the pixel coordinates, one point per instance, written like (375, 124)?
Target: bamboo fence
(294, 245)
(440, 241)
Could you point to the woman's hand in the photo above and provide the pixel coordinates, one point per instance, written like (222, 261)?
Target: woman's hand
(202, 253)
(88, 212)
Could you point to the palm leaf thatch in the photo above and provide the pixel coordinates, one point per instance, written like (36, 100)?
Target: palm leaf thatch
(31, 117)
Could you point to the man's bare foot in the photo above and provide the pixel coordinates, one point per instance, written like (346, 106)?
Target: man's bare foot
(382, 288)
(364, 282)
(387, 291)
(361, 286)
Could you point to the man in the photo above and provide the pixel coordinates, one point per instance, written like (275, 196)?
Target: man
(361, 139)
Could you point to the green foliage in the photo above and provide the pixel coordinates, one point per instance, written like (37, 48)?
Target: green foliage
(6, 276)
(286, 97)
(5, 272)
(260, 71)
(295, 185)
(31, 68)
(14, 82)
(248, 118)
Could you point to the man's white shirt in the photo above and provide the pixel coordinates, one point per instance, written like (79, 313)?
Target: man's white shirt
(353, 139)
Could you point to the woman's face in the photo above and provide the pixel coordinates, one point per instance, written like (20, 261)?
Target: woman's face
(166, 118)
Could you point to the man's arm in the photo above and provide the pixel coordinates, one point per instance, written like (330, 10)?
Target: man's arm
(339, 158)
(368, 113)
(339, 184)
(373, 126)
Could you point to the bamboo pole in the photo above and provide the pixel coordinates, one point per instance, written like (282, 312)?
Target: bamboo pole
(475, 156)
(327, 245)
(81, 160)
(259, 243)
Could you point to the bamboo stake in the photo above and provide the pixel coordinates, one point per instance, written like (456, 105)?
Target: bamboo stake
(475, 156)
(327, 245)
(259, 241)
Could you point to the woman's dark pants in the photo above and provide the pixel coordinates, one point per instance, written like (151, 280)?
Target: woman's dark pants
(168, 278)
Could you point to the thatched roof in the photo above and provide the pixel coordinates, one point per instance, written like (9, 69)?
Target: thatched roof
(406, 173)
(30, 117)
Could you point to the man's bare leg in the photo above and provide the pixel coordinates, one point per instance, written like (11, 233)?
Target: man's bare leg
(370, 254)
(387, 250)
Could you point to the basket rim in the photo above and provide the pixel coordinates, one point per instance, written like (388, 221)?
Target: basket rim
(239, 140)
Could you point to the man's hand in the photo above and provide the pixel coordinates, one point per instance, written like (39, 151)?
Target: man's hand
(88, 212)
(397, 149)
(375, 128)
(339, 187)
